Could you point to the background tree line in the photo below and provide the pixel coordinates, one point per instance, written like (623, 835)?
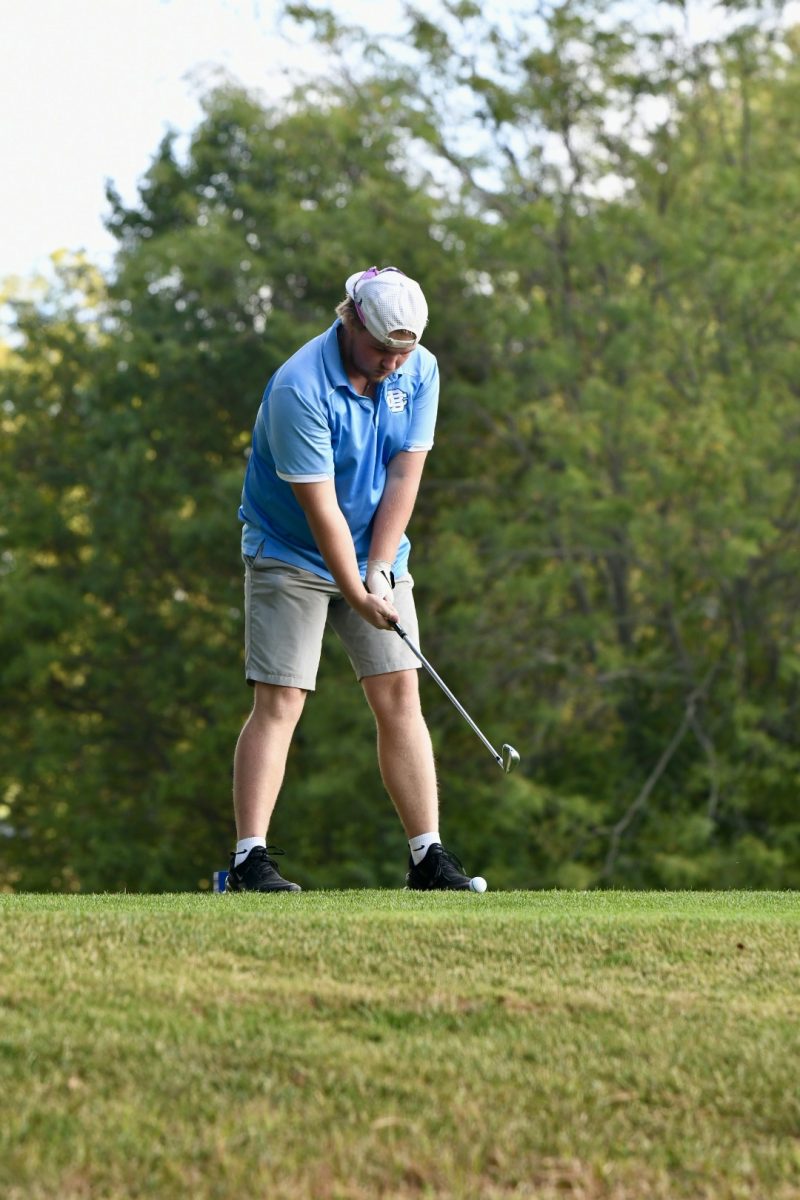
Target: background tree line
(604, 217)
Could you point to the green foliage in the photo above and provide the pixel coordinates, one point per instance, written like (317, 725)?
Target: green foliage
(606, 544)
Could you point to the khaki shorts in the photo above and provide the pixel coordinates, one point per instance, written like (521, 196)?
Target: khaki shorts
(286, 610)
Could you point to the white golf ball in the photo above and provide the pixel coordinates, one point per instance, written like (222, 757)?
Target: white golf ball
(477, 884)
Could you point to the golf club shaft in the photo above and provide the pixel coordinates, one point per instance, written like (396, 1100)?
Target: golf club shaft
(434, 675)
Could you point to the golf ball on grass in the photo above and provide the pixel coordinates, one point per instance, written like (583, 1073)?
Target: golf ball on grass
(477, 884)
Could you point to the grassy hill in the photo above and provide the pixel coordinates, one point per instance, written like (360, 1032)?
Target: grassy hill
(379, 1044)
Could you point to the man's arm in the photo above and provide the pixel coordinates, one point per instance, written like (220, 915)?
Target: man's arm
(404, 473)
(335, 543)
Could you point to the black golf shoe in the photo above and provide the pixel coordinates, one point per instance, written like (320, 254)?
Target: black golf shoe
(439, 871)
(258, 873)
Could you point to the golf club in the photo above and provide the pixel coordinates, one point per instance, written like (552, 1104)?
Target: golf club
(509, 759)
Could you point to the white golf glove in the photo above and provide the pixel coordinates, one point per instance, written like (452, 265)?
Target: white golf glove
(380, 580)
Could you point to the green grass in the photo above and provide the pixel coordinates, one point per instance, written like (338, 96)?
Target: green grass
(362, 1045)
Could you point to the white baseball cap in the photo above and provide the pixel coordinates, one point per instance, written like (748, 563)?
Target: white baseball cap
(387, 300)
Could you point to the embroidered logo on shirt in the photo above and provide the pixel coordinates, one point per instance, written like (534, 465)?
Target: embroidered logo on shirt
(396, 400)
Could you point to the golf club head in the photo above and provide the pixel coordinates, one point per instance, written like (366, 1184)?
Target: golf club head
(510, 758)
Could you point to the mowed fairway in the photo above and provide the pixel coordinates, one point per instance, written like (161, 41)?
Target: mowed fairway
(384, 1044)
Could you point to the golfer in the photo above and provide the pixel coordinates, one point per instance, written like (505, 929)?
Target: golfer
(338, 450)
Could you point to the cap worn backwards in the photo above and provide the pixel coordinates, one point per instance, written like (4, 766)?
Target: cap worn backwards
(388, 301)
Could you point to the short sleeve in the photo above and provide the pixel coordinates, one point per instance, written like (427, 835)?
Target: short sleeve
(423, 417)
(299, 436)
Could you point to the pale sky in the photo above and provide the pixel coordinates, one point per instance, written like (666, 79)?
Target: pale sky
(89, 87)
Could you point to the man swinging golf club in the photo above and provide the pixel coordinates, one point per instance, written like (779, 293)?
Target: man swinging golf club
(338, 450)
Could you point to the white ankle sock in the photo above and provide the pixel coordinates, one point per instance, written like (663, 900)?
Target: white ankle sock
(244, 846)
(419, 845)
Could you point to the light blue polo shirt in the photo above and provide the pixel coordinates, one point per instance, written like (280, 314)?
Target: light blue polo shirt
(311, 426)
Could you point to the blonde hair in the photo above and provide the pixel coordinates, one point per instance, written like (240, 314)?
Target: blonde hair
(346, 309)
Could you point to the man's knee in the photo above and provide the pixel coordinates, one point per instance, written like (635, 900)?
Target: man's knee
(394, 695)
(273, 702)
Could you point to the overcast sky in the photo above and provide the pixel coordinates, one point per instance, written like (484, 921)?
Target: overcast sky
(89, 87)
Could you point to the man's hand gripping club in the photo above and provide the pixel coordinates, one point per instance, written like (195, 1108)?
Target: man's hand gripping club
(380, 586)
(379, 612)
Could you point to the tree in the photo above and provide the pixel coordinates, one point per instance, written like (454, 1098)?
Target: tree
(604, 219)
(623, 181)
(137, 577)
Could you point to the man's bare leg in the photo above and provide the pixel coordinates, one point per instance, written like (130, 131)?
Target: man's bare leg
(405, 753)
(260, 760)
